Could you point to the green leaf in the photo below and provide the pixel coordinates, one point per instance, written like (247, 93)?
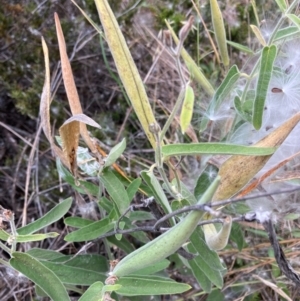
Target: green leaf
(157, 192)
(36, 237)
(294, 19)
(265, 72)
(111, 287)
(92, 262)
(40, 275)
(49, 218)
(77, 222)
(122, 244)
(286, 33)
(43, 254)
(93, 293)
(201, 278)
(237, 235)
(204, 180)
(224, 89)
(217, 295)
(142, 286)
(4, 235)
(244, 109)
(115, 153)
(207, 260)
(115, 189)
(74, 275)
(91, 231)
(84, 187)
(141, 216)
(240, 47)
(133, 188)
(282, 5)
(183, 149)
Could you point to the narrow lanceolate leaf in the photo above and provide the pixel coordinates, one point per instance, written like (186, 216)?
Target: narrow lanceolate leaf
(147, 285)
(36, 237)
(69, 83)
(237, 171)
(258, 35)
(294, 19)
(187, 109)
(183, 149)
(93, 293)
(126, 68)
(49, 218)
(40, 275)
(219, 29)
(115, 153)
(115, 189)
(195, 70)
(265, 72)
(222, 92)
(282, 5)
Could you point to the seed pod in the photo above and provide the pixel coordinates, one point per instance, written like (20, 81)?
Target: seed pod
(165, 244)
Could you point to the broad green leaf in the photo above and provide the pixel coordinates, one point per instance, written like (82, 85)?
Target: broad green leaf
(93, 293)
(111, 287)
(219, 29)
(36, 237)
(74, 275)
(265, 73)
(294, 19)
(91, 231)
(121, 227)
(212, 275)
(49, 218)
(209, 256)
(286, 33)
(84, 187)
(222, 92)
(240, 47)
(115, 153)
(133, 188)
(183, 149)
(187, 108)
(122, 244)
(200, 276)
(92, 262)
(237, 236)
(106, 204)
(143, 286)
(204, 180)
(127, 70)
(156, 267)
(157, 192)
(43, 254)
(115, 189)
(141, 216)
(217, 295)
(282, 5)
(77, 222)
(195, 70)
(40, 275)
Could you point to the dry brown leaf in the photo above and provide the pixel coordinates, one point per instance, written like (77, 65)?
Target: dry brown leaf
(69, 133)
(237, 171)
(45, 107)
(69, 84)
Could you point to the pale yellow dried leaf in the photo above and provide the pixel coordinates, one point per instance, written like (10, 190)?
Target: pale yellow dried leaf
(237, 171)
(127, 70)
